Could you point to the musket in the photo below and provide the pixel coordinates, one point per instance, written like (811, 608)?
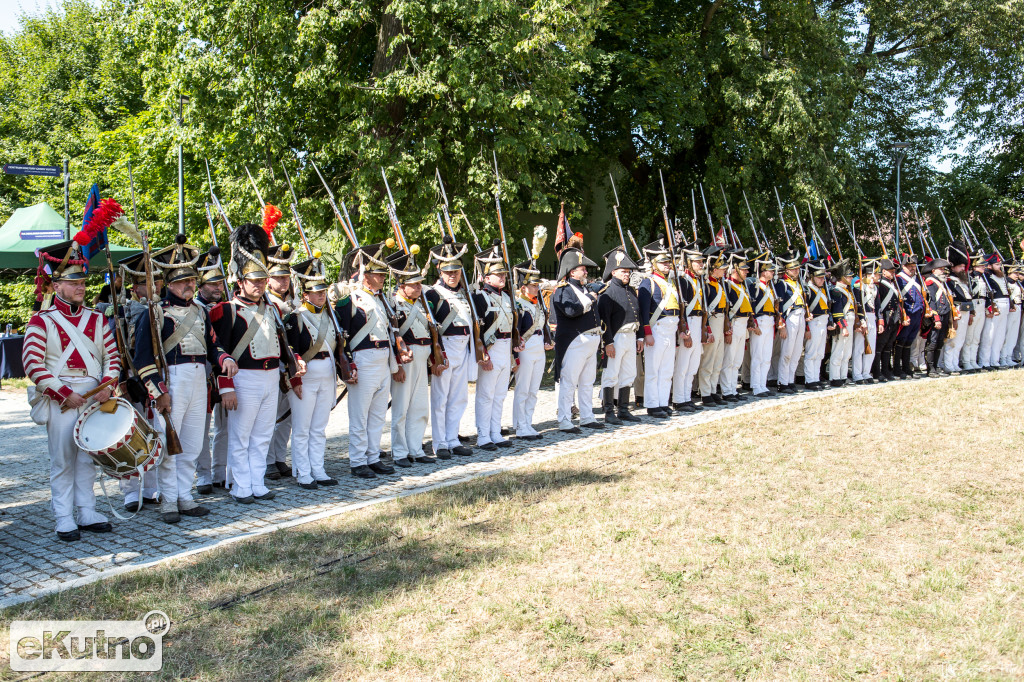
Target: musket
(157, 340)
(438, 361)
(878, 229)
(476, 242)
(615, 210)
(733, 237)
(216, 202)
(684, 325)
(263, 204)
(707, 213)
(213, 237)
(995, 249)
(1009, 243)
(927, 231)
(835, 239)
(946, 223)
(545, 327)
(832, 226)
(919, 276)
(851, 229)
(860, 276)
(341, 364)
(814, 231)
(782, 218)
(516, 341)
(639, 253)
(693, 223)
(753, 228)
(120, 335)
(920, 232)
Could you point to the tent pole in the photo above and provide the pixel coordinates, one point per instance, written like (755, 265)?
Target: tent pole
(67, 201)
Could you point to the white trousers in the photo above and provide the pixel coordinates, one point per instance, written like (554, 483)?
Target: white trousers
(187, 386)
(972, 342)
(368, 405)
(449, 393)
(576, 378)
(842, 348)
(250, 427)
(862, 362)
(814, 349)
(131, 487)
(528, 377)
(917, 351)
(993, 335)
(1018, 352)
(278, 451)
(72, 471)
(491, 389)
(761, 353)
(711, 357)
(620, 371)
(410, 406)
(213, 458)
(773, 366)
(687, 362)
(659, 363)
(951, 349)
(1012, 333)
(792, 346)
(309, 419)
(732, 358)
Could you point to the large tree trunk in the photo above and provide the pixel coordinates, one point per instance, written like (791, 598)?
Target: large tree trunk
(384, 62)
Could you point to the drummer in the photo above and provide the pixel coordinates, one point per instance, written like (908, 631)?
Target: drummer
(69, 350)
(188, 343)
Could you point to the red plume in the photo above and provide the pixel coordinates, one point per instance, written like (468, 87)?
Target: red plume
(102, 218)
(271, 214)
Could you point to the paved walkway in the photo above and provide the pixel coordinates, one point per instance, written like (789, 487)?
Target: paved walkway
(34, 563)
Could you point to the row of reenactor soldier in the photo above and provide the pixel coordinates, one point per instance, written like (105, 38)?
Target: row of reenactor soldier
(683, 331)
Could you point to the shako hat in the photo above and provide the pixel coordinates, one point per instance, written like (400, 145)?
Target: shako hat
(447, 256)
(310, 274)
(403, 266)
(177, 261)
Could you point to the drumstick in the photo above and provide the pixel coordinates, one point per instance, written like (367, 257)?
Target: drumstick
(89, 394)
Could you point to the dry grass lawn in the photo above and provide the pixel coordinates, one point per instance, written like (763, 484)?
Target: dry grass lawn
(876, 535)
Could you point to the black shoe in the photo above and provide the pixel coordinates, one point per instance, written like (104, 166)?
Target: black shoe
(381, 468)
(205, 489)
(196, 511)
(489, 447)
(708, 401)
(151, 500)
(574, 429)
(363, 471)
(505, 431)
(220, 484)
(404, 463)
(466, 439)
(462, 451)
(328, 482)
(424, 459)
(611, 418)
(540, 436)
(283, 469)
(309, 486)
(696, 407)
(170, 517)
(504, 444)
(272, 475)
(69, 535)
(720, 399)
(687, 407)
(657, 413)
(248, 499)
(444, 454)
(135, 506)
(836, 383)
(593, 425)
(627, 416)
(101, 527)
(268, 496)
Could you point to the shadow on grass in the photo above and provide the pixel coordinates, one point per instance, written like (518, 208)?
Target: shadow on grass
(273, 606)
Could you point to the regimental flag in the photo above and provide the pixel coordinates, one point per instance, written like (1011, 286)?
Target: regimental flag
(562, 230)
(720, 238)
(812, 250)
(99, 215)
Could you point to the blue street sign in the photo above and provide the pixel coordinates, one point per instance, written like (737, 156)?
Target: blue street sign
(21, 169)
(42, 234)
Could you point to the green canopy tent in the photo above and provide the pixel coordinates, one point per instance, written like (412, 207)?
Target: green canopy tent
(36, 226)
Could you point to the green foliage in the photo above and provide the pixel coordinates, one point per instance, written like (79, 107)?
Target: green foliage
(17, 294)
(738, 96)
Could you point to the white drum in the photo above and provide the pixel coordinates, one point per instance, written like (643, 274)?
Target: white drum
(121, 442)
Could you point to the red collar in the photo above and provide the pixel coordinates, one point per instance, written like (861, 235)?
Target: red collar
(66, 308)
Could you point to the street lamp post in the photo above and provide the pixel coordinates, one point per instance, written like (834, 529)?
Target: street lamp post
(182, 99)
(901, 153)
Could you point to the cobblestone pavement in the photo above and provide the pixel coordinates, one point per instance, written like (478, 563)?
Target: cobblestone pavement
(34, 563)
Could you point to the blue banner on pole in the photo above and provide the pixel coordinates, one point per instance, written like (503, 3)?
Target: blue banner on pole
(21, 169)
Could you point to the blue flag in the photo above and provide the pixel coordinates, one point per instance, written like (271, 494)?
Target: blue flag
(812, 250)
(97, 237)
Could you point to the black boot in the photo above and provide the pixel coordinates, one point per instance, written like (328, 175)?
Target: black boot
(608, 402)
(906, 366)
(624, 413)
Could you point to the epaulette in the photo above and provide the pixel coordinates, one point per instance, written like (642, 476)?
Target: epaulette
(561, 284)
